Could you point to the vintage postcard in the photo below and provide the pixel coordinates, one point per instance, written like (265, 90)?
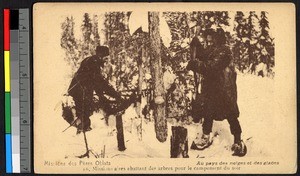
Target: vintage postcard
(164, 88)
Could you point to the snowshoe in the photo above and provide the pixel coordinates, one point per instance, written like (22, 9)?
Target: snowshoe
(239, 149)
(203, 144)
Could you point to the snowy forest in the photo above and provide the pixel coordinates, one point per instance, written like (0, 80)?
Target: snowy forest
(141, 57)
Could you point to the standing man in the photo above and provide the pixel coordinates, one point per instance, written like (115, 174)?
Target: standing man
(219, 90)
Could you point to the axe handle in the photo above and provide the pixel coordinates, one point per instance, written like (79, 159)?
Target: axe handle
(193, 57)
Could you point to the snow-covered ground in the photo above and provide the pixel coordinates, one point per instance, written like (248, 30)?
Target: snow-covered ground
(256, 118)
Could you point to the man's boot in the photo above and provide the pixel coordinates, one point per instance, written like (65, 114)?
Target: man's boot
(239, 149)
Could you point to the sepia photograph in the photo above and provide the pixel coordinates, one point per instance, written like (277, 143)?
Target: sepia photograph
(164, 88)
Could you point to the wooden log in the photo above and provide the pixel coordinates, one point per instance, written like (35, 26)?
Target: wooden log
(120, 132)
(179, 142)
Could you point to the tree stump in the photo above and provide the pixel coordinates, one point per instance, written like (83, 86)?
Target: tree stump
(179, 142)
(120, 132)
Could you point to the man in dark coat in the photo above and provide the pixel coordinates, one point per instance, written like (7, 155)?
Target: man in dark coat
(87, 80)
(219, 89)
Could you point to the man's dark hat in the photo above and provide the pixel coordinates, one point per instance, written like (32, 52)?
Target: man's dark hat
(102, 51)
(220, 36)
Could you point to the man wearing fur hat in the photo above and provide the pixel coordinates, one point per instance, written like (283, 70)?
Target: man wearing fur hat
(219, 90)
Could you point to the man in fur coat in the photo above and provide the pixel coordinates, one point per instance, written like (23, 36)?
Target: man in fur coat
(218, 89)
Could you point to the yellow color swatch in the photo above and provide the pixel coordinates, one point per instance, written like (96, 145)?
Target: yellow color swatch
(7, 71)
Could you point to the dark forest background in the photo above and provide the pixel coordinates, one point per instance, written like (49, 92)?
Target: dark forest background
(250, 42)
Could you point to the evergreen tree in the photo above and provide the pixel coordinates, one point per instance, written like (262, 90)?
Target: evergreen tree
(68, 41)
(95, 31)
(180, 24)
(266, 43)
(239, 49)
(122, 50)
(181, 36)
(86, 29)
(252, 39)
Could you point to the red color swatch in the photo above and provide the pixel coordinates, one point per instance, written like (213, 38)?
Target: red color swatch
(6, 30)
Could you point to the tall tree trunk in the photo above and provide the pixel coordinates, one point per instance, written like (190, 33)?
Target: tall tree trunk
(157, 77)
(140, 83)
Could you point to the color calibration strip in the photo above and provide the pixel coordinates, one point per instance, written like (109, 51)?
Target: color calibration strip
(7, 97)
(17, 90)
